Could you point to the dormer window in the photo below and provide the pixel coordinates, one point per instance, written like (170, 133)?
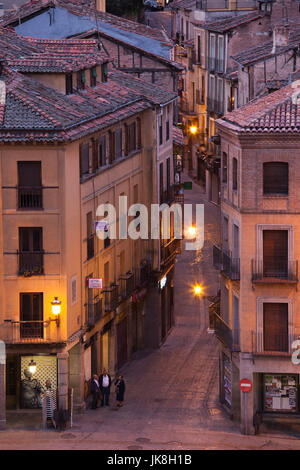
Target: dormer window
(81, 79)
(69, 84)
(93, 75)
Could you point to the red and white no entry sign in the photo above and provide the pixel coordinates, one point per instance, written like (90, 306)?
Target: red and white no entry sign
(245, 385)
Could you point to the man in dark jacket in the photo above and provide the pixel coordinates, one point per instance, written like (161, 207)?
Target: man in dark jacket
(105, 383)
(95, 391)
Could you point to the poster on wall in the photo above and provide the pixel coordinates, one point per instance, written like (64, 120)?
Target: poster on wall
(227, 380)
(34, 382)
(280, 393)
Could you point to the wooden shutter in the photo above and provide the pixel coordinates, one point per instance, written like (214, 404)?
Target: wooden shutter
(139, 133)
(84, 159)
(102, 151)
(132, 137)
(127, 140)
(118, 143)
(112, 151)
(275, 252)
(276, 178)
(94, 154)
(275, 326)
(29, 174)
(234, 173)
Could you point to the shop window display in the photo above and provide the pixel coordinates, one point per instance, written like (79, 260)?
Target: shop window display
(280, 393)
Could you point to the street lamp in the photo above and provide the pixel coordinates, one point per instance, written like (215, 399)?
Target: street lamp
(56, 308)
(198, 289)
(32, 367)
(192, 231)
(193, 129)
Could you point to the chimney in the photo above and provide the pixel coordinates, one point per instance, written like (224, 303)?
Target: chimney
(280, 35)
(101, 5)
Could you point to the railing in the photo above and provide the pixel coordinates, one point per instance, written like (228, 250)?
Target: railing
(13, 332)
(271, 344)
(127, 285)
(169, 251)
(145, 273)
(111, 297)
(31, 263)
(222, 331)
(94, 311)
(226, 263)
(30, 197)
(275, 271)
(168, 195)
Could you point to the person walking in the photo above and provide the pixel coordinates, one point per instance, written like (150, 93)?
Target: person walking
(95, 391)
(105, 384)
(120, 390)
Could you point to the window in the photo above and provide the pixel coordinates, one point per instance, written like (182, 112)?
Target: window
(160, 130)
(81, 80)
(224, 168)
(104, 73)
(31, 251)
(212, 57)
(30, 185)
(69, 84)
(132, 137)
(211, 93)
(161, 180)
(221, 54)
(234, 174)
(168, 173)
(225, 232)
(93, 77)
(139, 132)
(275, 253)
(275, 178)
(106, 232)
(220, 96)
(112, 147)
(199, 49)
(202, 89)
(167, 125)
(275, 327)
(84, 159)
(31, 313)
(118, 143)
(187, 29)
(102, 151)
(90, 235)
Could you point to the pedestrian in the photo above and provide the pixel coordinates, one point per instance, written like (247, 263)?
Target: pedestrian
(120, 389)
(105, 384)
(95, 391)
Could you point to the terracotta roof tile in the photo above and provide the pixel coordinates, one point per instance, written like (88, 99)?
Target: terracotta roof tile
(222, 24)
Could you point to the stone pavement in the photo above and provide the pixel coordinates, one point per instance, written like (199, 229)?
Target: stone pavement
(171, 399)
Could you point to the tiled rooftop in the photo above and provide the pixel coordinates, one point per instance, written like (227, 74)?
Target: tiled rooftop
(278, 112)
(221, 25)
(83, 8)
(264, 51)
(30, 111)
(183, 4)
(44, 55)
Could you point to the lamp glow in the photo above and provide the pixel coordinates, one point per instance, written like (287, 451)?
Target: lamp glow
(32, 367)
(56, 306)
(193, 130)
(197, 289)
(192, 231)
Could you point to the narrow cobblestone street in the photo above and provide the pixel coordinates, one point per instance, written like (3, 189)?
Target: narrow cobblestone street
(171, 400)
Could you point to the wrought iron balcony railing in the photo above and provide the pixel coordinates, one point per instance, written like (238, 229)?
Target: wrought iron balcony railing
(111, 297)
(229, 337)
(145, 273)
(35, 331)
(274, 271)
(31, 263)
(226, 263)
(94, 311)
(271, 344)
(169, 251)
(127, 284)
(30, 197)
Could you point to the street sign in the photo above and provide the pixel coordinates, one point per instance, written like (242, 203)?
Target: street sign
(188, 185)
(245, 385)
(95, 283)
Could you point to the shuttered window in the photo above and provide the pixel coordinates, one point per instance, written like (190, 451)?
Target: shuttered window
(275, 326)
(132, 137)
(31, 313)
(275, 178)
(118, 143)
(275, 253)
(139, 133)
(234, 174)
(102, 151)
(29, 174)
(112, 151)
(84, 159)
(224, 170)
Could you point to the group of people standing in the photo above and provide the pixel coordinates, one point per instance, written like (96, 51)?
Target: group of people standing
(100, 389)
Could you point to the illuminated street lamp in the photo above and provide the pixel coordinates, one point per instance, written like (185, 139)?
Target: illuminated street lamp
(193, 129)
(56, 309)
(198, 289)
(192, 231)
(32, 367)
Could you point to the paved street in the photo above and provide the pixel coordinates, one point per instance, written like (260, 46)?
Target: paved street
(171, 401)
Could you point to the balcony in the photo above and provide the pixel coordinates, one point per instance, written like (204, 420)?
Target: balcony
(94, 311)
(169, 251)
(222, 331)
(30, 197)
(31, 263)
(15, 332)
(127, 284)
(272, 344)
(111, 297)
(167, 196)
(228, 265)
(145, 273)
(277, 272)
